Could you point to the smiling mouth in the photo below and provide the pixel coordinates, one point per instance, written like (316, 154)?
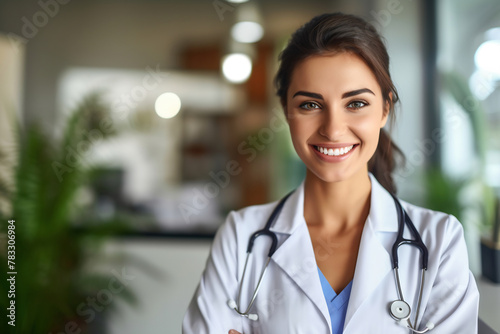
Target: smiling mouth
(336, 152)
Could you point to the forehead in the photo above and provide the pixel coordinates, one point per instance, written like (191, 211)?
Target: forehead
(338, 72)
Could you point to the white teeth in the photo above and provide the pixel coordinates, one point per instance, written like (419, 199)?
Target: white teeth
(334, 152)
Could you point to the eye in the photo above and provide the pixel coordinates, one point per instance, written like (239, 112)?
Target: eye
(355, 105)
(309, 106)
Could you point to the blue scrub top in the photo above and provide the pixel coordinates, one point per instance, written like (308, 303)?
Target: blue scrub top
(337, 303)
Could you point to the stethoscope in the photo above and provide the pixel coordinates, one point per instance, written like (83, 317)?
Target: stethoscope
(399, 309)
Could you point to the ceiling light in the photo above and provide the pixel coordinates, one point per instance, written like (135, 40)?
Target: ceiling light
(236, 67)
(247, 32)
(167, 105)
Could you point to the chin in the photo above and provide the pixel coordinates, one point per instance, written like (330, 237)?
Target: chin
(330, 176)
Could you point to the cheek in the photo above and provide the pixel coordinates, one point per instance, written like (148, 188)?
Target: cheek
(301, 130)
(369, 130)
(297, 133)
(299, 127)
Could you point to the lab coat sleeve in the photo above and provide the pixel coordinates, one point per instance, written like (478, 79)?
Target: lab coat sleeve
(208, 311)
(454, 298)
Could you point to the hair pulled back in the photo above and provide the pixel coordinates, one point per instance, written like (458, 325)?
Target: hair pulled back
(335, 33)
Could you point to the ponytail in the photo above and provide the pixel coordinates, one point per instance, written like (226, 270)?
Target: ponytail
(385, 160)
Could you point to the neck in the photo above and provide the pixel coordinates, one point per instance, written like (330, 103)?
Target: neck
(336, 206)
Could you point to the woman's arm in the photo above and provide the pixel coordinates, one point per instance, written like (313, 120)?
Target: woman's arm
(454, 299)
(208, 311)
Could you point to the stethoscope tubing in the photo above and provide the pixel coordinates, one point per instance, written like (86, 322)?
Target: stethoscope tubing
(274, 243)
(403, 219)
(256, 291)
(267, 229)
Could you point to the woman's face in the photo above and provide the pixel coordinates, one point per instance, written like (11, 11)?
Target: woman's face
(335, 110)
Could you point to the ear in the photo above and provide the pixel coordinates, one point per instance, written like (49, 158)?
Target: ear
(387, 111)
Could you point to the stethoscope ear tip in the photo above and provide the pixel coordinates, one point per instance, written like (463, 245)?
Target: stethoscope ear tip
(231, 303)
(428, 327)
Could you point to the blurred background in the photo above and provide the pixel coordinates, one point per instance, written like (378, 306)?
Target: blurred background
(129, 129)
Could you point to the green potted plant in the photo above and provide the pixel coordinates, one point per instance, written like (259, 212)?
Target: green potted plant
(53, 288)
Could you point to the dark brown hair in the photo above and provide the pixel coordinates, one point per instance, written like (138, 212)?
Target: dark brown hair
(332, 33)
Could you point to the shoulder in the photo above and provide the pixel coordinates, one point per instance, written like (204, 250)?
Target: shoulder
(435, 226)
(251, 217)
(443, 235)
(232, 236)
(427, 217)
(254, 212)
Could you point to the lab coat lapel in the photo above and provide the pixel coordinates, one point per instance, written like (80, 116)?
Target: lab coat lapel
(374, 260)
(295, 256)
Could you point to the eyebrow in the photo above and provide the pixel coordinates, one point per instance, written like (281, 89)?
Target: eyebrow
(345, 95)
(357, 92)
(308, 94)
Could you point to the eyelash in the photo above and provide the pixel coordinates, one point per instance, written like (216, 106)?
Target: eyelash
(303, 105)
(307, 105)
(364, 104)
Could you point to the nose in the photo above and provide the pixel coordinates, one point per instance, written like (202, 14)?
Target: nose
(333, 125)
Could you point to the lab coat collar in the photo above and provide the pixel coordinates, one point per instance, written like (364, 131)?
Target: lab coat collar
(292, 214)
(296, 255)
(382, 210)
(383, 214)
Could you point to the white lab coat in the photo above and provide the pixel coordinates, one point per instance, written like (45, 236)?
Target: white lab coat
(291, 299)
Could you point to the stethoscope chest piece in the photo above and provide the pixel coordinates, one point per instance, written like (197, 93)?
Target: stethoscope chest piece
(400, 310)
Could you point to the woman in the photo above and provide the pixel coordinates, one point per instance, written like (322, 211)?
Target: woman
(332, 271)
